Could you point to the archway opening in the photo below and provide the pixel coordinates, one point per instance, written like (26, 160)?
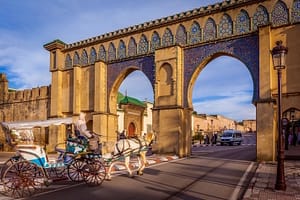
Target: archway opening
(222, 99)
(135, 103)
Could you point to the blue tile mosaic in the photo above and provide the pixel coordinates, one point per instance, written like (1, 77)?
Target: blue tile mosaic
(181, 35)
(145, 64)
(143, 45)
(93, 55)
(280, 14)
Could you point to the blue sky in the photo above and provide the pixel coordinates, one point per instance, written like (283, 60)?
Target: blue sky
(223, 87)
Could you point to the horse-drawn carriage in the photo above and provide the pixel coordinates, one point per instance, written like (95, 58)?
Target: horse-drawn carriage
(29, 170)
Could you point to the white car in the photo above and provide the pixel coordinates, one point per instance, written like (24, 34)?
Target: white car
(231, 137)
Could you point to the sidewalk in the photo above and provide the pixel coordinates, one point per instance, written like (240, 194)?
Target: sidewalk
(262, 185)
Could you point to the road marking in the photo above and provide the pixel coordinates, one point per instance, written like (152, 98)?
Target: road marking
(237, 189)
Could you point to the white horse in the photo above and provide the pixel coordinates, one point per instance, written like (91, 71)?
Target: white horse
(132, 146)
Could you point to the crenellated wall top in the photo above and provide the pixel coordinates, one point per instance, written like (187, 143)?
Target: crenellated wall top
(28, 94)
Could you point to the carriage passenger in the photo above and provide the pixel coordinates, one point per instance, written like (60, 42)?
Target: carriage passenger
(81, 128)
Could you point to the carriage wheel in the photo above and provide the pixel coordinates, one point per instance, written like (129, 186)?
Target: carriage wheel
(23, 179)
(94, 172)
(75, 169)
(9, 163)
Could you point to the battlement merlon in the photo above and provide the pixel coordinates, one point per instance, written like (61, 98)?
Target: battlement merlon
(56, 56)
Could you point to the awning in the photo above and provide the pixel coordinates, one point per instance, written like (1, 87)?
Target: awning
(36, 124)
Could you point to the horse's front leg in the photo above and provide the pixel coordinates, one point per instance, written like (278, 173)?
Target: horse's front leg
(127, 161)
(142, 163)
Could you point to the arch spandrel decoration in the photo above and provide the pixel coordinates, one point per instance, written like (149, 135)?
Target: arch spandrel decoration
(245, 49)
(280, 14)
(84, 58)
(121, 50)
(167, 39)
(225, 26)
(155, 41)
(68, 61)
(145, 64)
(260, 17)
(195, 33)
(242, 22)
(210, 30)
(143, 45)
(76, 59)
(132, 47)
(296, 11)
(102, 53)
(165, 80)
(111, 52)
(181, 37)
(93, 55)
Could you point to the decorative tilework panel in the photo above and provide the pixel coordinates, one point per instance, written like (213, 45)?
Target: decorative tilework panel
(210, 30)
(181, 35)
(167, 39)
(84, 58)
(143, 45)
(296, 11)
(121, 50)
(260, 17)
(102, 53)
(225, 26)
(242, 22)
(132, 47)
(195, 33)
(76, 58)
(280, 15)
(245, 49)
(155, 42)
(145, 64)
(93, 55)
(111, 52)
(68, 61)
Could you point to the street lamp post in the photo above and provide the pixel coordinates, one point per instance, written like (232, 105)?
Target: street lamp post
(278, 55)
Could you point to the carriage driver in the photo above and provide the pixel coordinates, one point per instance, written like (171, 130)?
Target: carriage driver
(81, 128)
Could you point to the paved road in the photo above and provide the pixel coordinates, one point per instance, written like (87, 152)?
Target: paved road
(212, 172)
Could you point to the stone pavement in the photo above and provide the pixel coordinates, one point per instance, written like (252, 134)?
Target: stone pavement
(262, 185)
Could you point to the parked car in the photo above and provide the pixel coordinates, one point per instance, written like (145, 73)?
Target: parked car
(231, 137)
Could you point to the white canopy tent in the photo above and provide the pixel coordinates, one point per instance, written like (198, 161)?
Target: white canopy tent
(36, 124)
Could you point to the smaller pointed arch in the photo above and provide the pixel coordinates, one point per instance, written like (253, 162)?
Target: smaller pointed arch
(225, 26)
(242, 22)
(68, 61)
(181, 36)
(280, 14)
(167, 39)
(102, 53)
(296, 11)
(93, 55)
(210, 30)
(260, 17)
(143, 45)
(195, 33)
(111, 52)
(155, 41)
(132, 47)
(84, 58)
(76, 59)
(121, 50)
